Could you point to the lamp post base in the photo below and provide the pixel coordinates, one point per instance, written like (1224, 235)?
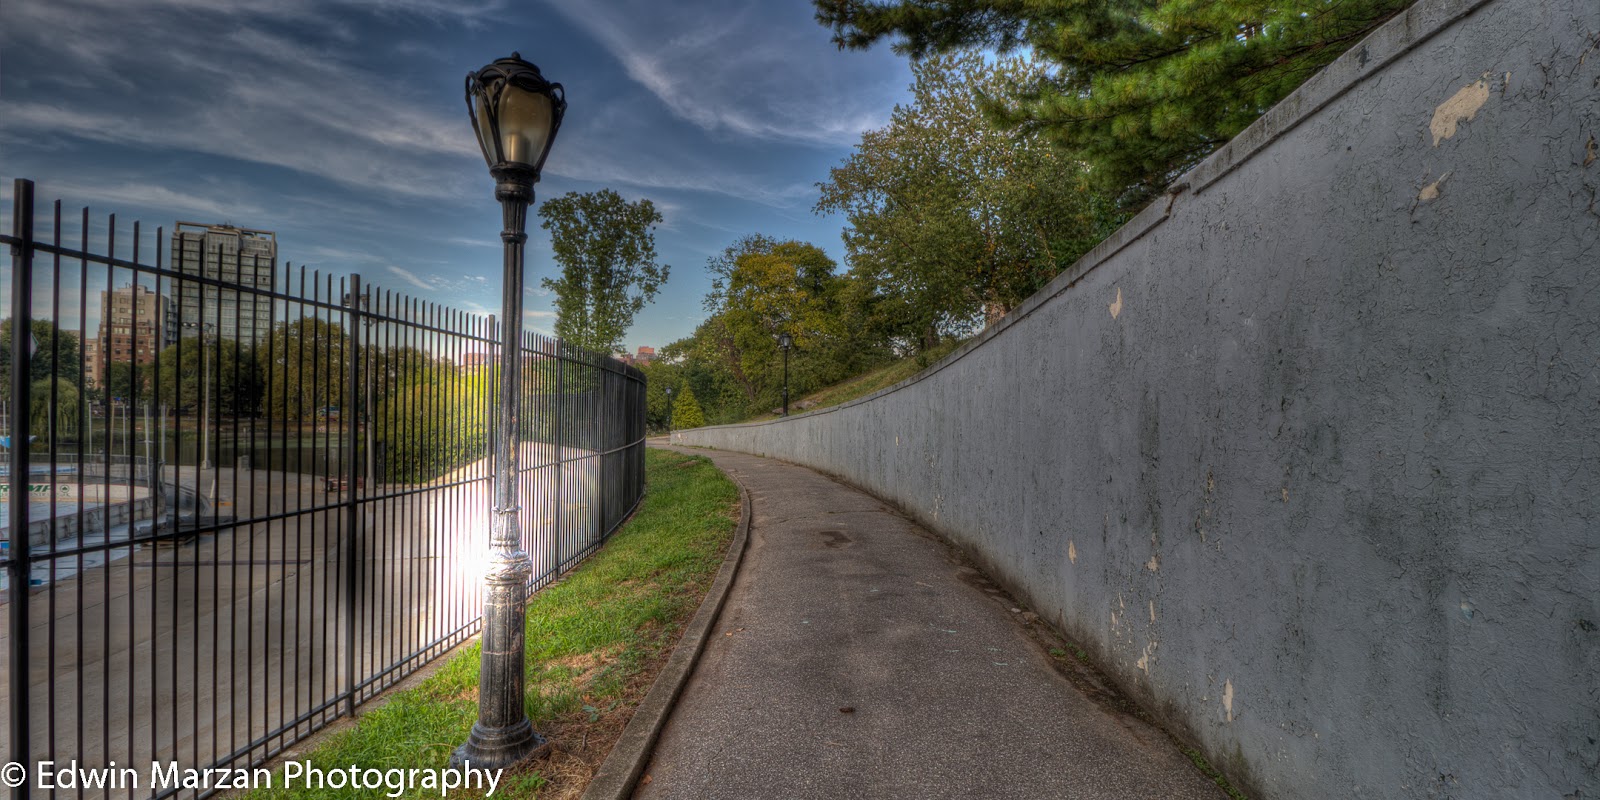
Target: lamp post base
(497, 749)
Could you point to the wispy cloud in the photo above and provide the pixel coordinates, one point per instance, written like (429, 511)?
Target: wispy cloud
(410, 277)
(237, 91)
(110, 195)
(707, 70)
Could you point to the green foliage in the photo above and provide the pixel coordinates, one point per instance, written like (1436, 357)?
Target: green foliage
(686, 412)
(763, 288)
(431, 422)
(1139, 90)
(185, 369)
(56, 352)
(660, 375)
(306, 363)
(951, 219)
(606, 248)
(122, 377)
(68, 410)
(710, 363)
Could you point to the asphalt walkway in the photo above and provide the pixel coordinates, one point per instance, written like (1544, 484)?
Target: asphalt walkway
(858, 657)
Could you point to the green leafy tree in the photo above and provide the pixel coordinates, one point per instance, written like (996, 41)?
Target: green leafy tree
(187, 366)
(55, 352)
(1140, 90)
(660, 375)
(434, 425)
(68, 410)
(790, 288)
(709, 362)
(953, 220)
(606, 248)
(686, 411)
(763, 287)
(306, 364)
(123, 380)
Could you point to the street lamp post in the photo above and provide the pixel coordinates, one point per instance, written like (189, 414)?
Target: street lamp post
(785, 341)
(205, 381)
(669, 413)
(205, 412)
(515, 113)
(359, 305)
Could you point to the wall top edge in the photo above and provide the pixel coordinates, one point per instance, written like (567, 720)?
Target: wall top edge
(1409, 29)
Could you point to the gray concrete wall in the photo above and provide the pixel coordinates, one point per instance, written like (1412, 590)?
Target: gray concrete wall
(1309, 456)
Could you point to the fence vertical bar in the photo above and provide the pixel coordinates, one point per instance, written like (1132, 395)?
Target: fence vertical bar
(352, 476)
(21, 569)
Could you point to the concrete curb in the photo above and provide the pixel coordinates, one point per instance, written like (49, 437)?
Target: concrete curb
(621, 770)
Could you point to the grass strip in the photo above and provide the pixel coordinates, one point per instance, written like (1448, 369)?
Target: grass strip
(866, 383)
(594, 644)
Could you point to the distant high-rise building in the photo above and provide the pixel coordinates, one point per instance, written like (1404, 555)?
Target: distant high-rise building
(234, 257)
(132, 330)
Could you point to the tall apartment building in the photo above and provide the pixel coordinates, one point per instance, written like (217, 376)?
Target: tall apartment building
(235, 257)
(132, 329)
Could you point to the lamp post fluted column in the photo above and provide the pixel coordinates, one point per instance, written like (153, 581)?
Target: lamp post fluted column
(503, 735)
(515, 113)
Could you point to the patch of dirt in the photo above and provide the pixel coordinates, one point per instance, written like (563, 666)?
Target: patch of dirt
(580, 746)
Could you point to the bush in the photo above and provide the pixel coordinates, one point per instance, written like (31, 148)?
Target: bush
(686, 411)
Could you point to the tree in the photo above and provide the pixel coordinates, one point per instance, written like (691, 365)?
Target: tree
(606, 248)
(790, 288)
(121, 377)
(55, 353)
(185, 367)
(763, 287)
(64, 423)
(307, 363)
(709, 362)
(431, 427)
(686, 411)
(1141, 90)
(660, 375)
(951, 219)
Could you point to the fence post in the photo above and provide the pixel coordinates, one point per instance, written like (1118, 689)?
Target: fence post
(21, 568)
(352, 473)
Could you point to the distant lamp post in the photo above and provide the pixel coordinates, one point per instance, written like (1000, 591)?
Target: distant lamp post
(515, 113)
(360, 304)
(207, 328)
(785, 341)
(669, 413)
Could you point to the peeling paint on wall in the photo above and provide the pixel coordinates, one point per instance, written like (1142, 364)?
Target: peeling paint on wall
(1144, 660)
(1116, 305)
(1431, 191)
(1227, 698)
(1072, 552)
(1152, 611)
(1153, 564)
(1461, 107)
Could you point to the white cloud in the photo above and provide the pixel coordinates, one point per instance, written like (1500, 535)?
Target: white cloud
(411, 277)
(216, 85)
(728, 69)
(223, 205)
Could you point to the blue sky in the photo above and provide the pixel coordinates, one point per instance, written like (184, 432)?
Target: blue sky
(340, 125)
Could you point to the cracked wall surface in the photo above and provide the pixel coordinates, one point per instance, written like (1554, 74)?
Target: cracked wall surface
(1308, 456)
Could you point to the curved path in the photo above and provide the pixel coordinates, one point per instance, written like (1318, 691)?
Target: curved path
(859, 657)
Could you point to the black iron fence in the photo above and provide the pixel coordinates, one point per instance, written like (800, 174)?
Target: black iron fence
(242, 499)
